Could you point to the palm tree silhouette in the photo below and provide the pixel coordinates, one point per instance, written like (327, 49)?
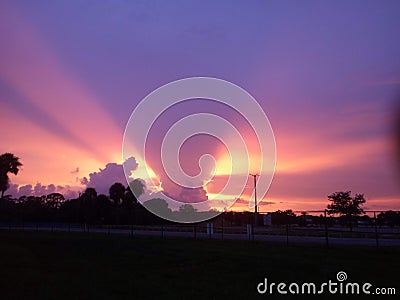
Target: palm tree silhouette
(117, 192)
(8, 164)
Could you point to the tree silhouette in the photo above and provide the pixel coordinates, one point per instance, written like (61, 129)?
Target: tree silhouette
(103, 209)
(186, 213)
(280, 217)
(117, 193)
(187, 209)
(158, 206)
(130, 202)
(133, 191)
(343, 204)
(8, 164)
(136, 187)
(88, 202)
(390, 218)
(90, 193)
(54, 200)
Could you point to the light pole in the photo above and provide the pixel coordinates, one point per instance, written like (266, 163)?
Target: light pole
(255, 197)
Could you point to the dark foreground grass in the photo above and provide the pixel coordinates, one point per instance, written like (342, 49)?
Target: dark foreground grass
(43, 265)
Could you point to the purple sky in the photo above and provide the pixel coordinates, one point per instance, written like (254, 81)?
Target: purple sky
(325, 72)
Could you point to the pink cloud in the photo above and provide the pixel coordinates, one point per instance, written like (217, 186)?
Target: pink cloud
(17, 191)
(113, 172)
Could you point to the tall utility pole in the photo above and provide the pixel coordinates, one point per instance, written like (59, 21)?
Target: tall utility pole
(255, 197)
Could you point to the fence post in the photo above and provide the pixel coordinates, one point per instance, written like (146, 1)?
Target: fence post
(249, 231)
(222, 228)
(210, 229)
(287, 234)
(376, 230)
(326, 229)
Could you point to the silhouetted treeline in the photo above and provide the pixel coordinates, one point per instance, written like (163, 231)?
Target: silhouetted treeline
(387, 218)
(124, 209)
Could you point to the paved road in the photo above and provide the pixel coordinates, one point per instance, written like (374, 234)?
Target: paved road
(202, 235)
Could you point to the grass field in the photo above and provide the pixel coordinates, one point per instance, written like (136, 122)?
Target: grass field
(44, 265)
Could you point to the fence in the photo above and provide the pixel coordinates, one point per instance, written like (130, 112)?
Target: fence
(324, 231)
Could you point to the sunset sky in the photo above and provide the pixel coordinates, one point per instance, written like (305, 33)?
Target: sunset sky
(325, 73)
